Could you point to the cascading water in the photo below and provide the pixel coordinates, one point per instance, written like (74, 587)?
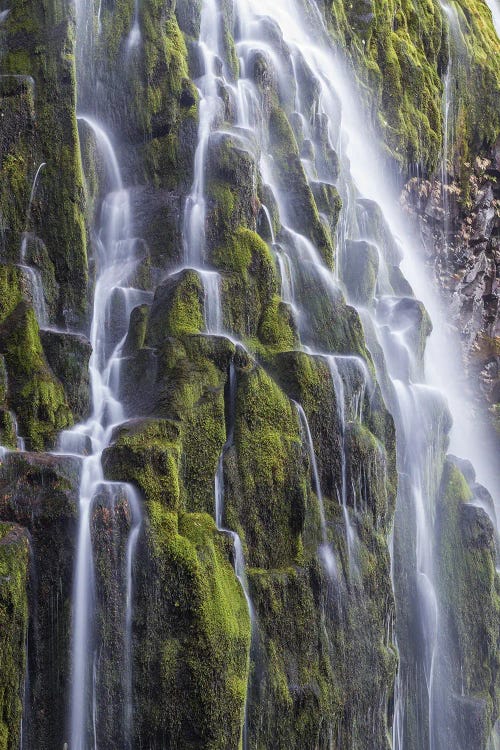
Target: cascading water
(419, 410)
(115, 250)
(239, 559)
(134, 38)
(28, 212)
(32, 275)
(387, 316)
(326, 553)
(194, 249)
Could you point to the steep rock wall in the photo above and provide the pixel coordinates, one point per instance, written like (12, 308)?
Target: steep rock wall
(318, 663)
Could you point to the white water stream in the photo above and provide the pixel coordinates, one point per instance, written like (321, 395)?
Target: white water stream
(413, 403)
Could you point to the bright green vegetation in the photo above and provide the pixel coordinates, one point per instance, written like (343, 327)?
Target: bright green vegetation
(196, 657)
(401, 49)
(33, 393)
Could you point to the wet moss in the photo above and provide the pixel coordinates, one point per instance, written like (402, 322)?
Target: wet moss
(295, 698)
(196, 656)
(400, 51)
(177, 307)
(7, 429)
(265, 472)
(39, 42)
(232, 179)
(469, 588)
(147, 454)
(14, 561)
(188, 391)
(68, 356)
(40, 493)
(302, 212)
(276, 328)
(35, 394)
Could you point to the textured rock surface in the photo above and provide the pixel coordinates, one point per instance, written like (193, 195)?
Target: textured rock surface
(460, 226)
(316, 665)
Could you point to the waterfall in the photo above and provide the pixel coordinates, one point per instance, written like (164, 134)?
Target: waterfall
(418, 407)
(116, 260)
(293, 40)
(239, 559)
(32, 275)
(28, 212)
(134, 37)
(195, 209)
(326, 553)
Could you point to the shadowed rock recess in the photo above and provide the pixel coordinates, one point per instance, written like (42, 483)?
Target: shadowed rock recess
(229, 517)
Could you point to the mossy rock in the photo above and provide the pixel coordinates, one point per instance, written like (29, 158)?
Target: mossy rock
(177, 308)
(265, 472)
(469, 589)
(14, 576)
(188, 389)
(231, 182)
(40, 494)
(194, 632)
(68, 357)
(39, 43)
(295, 700)
(360, 263)
(35, 395)
(302, 212)
(7, 429)
(251, 306)
(147, 454)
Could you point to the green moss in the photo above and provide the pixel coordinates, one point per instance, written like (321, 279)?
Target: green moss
(35, 395)
(328, 201)
(265, 472)
(193, 378)
(166, 99)
(244, 252)
(177, 308)
(14, 560)
(263, 320)
(7, 429)
(189, 392)
(231, 190)
(57, 216)
(10, 290)
(303, 213)
(296, 697)
(199, 665)
(147, 453)
(400, 50)
(468, 585)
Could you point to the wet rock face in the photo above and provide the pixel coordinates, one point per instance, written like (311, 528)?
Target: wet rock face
(39, 493)
(14, 577)
(312, 663)
(68, 355)
(460, 226)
